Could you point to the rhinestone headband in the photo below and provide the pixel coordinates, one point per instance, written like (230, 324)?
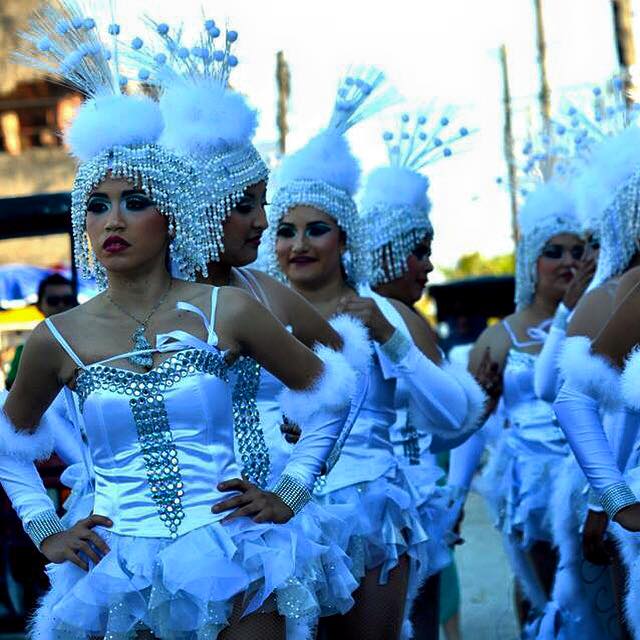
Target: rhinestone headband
(167, 180)
(334, 202)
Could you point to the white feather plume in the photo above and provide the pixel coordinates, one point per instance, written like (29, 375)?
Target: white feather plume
(202, 118)
(546, 204)
(397, 187)
(108, 121)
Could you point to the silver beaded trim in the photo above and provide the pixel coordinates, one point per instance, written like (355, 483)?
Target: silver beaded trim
(411, 444)
(172, 185)
(336, 203)
(617, 497)
(42, 526)
(292, 492)
(226, 176)
(396, 347)
(249, 437)
(393, 233)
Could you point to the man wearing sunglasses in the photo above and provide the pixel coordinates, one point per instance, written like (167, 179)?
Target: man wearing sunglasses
(55, 295)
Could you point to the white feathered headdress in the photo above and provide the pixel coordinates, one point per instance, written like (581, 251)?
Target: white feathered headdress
(394, 203)
(325, 174)
(205, 120)
(113, 133)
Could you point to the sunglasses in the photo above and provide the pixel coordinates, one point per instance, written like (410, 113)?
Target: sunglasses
(55, 301)
(557, 251)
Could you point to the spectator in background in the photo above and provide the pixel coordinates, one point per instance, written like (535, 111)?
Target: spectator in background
(55, 295)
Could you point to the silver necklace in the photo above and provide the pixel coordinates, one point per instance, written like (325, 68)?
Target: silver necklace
(138, 338)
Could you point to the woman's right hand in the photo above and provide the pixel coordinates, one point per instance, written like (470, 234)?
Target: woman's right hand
(629, 517)
(489, 377)
(68, 545)
(579, 283)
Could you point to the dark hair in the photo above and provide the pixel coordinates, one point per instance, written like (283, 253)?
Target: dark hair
(54, 279)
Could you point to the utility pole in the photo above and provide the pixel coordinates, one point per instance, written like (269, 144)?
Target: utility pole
(625, 46)
(508, 143)
(283, 79)
(544, 95)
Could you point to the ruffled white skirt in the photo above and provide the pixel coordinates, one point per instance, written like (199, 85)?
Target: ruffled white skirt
(185, 589)
(382, 523)
(517, 484)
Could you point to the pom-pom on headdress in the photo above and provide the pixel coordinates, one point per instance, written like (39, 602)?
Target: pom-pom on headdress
(394, 204)
(325, 173)
(205, 120)
(113, 134)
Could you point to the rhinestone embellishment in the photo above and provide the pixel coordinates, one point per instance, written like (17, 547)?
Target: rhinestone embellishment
(249, 436)
(147, 402)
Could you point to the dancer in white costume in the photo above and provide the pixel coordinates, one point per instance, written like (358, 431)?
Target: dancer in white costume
(317, 242)
(395, 206)
(581, 596)
(521, 471)
(163, 472)
(581, 403)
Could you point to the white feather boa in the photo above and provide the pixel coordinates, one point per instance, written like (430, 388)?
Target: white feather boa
(23, 445)
(356, 345)
(590, 373)
(330, 393)
(630, 380)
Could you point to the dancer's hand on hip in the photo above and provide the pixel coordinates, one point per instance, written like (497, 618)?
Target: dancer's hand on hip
(252, 502)
(594, 548)
(80, 540)
(629, 517)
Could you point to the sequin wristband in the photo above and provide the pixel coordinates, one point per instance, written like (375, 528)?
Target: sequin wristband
(617, 497)
(292, 492)
(396, 347)
(42, 526)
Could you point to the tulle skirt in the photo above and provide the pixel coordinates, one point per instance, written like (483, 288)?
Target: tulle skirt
(185, 589)
(382, 524)
(517, 485)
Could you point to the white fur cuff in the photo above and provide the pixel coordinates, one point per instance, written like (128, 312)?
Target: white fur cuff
(590, 373)
(356, 345)
(476, 397)
(24, 445)
(331, 392)
(630, 381)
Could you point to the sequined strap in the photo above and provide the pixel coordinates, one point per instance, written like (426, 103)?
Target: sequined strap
(63, 343)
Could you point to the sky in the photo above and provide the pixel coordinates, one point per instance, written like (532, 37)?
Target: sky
(431, 50)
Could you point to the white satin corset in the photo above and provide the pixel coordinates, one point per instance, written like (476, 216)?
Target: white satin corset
(530, 418)
(368, 453)
(160, 441)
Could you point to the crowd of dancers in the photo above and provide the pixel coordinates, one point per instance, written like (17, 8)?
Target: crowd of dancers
(252, 451)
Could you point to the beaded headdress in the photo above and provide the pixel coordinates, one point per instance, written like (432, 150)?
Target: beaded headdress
(604, 189)
(113, 133)
(325, 173)
(205, 120)
(394, 204)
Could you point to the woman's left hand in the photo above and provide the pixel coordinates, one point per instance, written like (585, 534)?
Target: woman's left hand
(261, 506)
(369, 313)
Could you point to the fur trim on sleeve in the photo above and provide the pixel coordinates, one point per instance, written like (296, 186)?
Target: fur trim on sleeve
(476, 397)
(590, 373)
(24, 445)
(331, 392)
(356, 345)
(630, 380)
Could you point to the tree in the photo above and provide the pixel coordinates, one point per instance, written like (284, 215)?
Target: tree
(474, 264)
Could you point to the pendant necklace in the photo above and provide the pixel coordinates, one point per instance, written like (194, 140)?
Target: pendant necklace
(138, 338)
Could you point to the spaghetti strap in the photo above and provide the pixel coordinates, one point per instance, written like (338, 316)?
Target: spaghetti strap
(213, 336)
(255, 286)
(63, 343)
(537, 334)
(509, 330)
